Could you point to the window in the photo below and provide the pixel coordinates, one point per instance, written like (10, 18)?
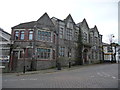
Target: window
(30, 35)
(91, 40)
(69, 34)
(85, 36)
(16, 35)
(43, 35)
(43, 53)
(53, 54)
(54, 38)
(76, 35)
(22, 35)
(95, 40)
(62, 51)
(69, 52)
(61, 32)
(109, 49)
(70, 25)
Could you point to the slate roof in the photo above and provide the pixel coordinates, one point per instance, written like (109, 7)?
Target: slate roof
(3, 39)
(43, 20)
(69, 17)
(25, 25)
(4, 31)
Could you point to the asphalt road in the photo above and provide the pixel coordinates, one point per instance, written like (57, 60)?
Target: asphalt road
(93, 76)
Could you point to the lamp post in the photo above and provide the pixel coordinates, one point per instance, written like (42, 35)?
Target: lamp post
(24, 60)
(111, 41)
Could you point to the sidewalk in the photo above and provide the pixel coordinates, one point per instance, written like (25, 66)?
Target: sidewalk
(50, 70)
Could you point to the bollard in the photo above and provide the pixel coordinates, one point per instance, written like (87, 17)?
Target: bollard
(69, 64)
(24, 69)
(58, 66)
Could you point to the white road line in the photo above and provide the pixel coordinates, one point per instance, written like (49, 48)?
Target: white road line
(113, 77)
(99, 74)
(105, 75)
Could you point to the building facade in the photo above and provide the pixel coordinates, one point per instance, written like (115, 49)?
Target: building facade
(4, 49)
(111, 52)
(43, 43)
(118, 54)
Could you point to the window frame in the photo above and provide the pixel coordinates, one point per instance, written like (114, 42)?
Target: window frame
(16, 35)
(43, 53)
(22, 35)
(44, 36)
(29, 35)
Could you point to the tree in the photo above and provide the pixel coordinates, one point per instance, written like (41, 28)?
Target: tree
(79, 48)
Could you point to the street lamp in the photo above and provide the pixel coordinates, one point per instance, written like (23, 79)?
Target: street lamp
(111, 39)
(24, 60)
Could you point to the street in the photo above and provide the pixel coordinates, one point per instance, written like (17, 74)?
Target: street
(92, 76)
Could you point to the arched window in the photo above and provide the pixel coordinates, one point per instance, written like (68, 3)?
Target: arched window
(22, 35)
(30, 35)
(16, 35)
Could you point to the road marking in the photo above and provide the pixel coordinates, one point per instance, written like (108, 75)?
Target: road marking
(10, 80)
(99, 74)
(32, 79)
(113, 77)
(106, 75)
(22, 79)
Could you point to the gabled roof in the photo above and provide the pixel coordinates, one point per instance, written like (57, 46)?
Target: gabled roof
(84, 22)
(95, 28)
(69, 17)
(44, 20)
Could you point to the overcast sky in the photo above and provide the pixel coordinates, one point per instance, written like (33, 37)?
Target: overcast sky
(103, 13)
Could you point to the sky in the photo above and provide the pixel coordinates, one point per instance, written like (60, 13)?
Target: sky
(102, 13)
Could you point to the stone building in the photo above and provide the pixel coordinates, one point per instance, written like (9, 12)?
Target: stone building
(43, 43)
